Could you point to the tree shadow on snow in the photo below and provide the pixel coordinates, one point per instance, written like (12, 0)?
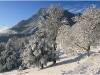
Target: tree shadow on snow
(69, 61)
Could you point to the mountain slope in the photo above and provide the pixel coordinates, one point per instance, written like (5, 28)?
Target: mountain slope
(69, 16)
(25, 26)
(31, 25)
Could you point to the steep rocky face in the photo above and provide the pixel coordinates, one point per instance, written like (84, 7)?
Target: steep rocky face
(69, 17)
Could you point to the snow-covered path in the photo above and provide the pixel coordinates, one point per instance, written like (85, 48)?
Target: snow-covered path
(80, 64)
(91, 65)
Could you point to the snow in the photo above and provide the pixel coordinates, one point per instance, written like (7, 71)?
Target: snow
(32, 31)
(79, 64)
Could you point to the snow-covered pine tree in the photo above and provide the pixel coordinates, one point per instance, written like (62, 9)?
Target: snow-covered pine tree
(10, 56)
(39, 51)
(2, 47)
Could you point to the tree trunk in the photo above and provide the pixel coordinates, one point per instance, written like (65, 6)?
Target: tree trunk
(41, 66)
(88, 53)
(55, 46)
(88, 50)
(54, 59)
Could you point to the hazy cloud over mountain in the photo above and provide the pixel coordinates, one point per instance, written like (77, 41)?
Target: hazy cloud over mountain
(3, 28)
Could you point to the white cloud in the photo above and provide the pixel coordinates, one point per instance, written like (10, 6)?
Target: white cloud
(3, 28)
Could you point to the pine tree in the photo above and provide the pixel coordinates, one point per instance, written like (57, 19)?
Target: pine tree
(39, 51)
(10, 55)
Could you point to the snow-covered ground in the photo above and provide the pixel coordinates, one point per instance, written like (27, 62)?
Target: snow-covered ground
(80, 64)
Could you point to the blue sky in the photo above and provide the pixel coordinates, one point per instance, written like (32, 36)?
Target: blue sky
(11, 12)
